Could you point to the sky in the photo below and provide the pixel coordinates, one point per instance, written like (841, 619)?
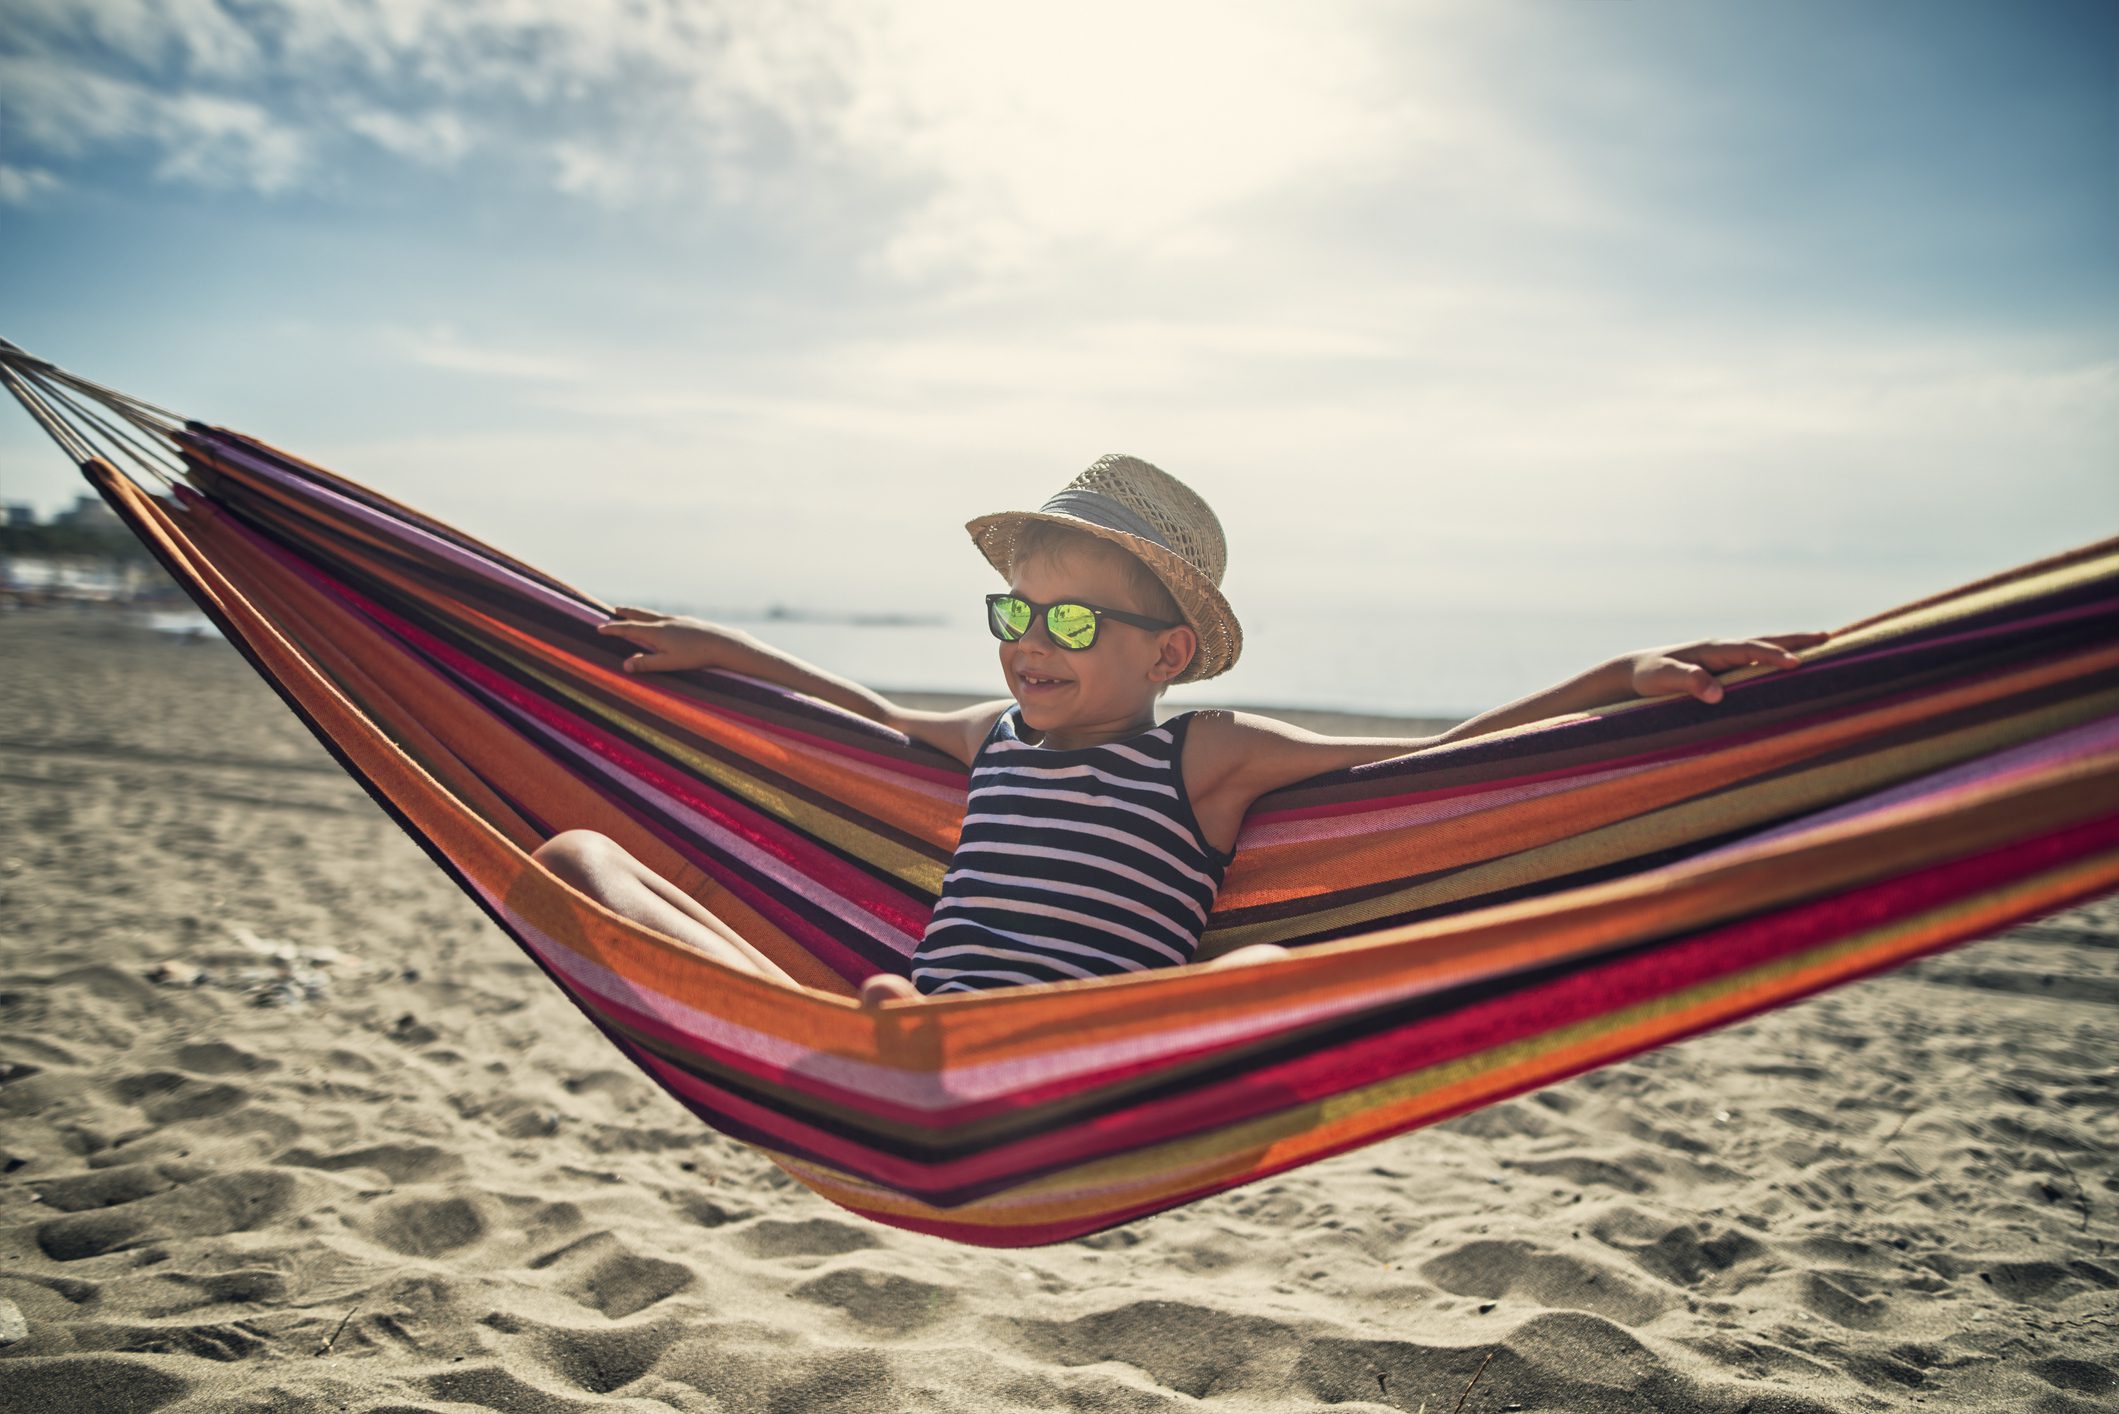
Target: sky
(1503, 335)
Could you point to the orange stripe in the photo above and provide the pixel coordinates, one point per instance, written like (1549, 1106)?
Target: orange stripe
(479, 851)
(1506, 937)
(1719, 1004)
(1167, 1173)
(1025, 1024)
(927, 813)
(1278, 873)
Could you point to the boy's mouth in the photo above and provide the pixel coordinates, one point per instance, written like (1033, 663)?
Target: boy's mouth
(1039, 682)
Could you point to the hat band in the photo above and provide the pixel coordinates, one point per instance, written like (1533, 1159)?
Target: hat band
(1099, 509)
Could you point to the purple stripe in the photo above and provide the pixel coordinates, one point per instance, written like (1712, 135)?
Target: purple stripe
(2011, 627)
(2072, 744)
(421, 542)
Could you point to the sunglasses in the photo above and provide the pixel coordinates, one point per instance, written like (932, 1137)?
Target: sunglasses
(1072, 626)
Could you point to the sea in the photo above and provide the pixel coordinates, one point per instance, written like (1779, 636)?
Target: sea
(1410, 661)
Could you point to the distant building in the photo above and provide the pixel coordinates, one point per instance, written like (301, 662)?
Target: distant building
(35, 578)
(88, 513)
(81, 555)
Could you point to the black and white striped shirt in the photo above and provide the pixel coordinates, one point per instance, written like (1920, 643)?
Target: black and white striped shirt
(1071, 864)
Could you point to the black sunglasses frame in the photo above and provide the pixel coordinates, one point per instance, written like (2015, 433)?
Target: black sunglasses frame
(1038, 611)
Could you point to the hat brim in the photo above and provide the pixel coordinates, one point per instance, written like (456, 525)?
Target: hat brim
(1200, 600)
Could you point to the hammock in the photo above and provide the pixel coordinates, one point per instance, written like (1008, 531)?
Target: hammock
(1468, 923)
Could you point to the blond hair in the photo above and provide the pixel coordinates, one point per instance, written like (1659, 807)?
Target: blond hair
(1042, 538)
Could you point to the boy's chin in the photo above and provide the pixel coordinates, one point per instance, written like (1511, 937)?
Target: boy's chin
(1041, 712)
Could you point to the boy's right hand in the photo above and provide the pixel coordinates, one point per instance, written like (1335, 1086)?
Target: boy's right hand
(669, 645)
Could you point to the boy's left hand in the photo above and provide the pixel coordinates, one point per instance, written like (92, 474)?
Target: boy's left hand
(1691, 667)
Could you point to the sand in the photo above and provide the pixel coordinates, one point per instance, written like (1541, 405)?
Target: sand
(289, 1126)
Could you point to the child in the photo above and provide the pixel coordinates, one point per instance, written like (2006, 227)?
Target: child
(1094, 840)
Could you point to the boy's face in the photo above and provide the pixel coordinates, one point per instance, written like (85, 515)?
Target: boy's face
(1112, 684)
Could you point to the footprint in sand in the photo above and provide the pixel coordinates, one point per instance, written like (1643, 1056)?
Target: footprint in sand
(170, 1293)
(488, 1386)
(216, 1340)
(1338, 1370)
(809, 1237)
(86, 1384)
(1847, 1298)
(2046, 1282)
(1582, 1361)
(601, 1272)
(1196, 1350)
(1575, 1360)
(108, 1188)
(2082, 1376)
(1582, 1171)
(220, 1058)
(598, 1361)
(1491, 1270)
(879, 1299)
(428, 1227)
(1500, 1124)
(1685, 1254)
(396, 1163)
(235, 1202)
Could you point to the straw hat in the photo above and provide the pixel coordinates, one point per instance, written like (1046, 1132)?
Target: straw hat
(1162, 522)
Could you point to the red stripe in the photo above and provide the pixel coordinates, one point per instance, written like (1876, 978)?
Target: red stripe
(813, 939)
(1639, 760)
(1341, 1066)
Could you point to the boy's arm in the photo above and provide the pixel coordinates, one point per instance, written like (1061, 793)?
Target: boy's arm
(669, 644)
(1653, 672)
(1247, 756)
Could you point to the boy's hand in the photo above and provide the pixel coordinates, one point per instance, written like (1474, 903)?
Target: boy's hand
(1691, 667)
(668, 645)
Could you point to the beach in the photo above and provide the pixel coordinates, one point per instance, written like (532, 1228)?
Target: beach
(287, 1124)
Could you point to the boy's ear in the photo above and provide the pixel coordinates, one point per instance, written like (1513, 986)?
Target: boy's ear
(1179, 646)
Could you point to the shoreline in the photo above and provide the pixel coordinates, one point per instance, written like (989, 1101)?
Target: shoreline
(161, 622)
(1316, 719)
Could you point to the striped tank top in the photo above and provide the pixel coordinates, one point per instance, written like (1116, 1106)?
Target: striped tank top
(1071, 864)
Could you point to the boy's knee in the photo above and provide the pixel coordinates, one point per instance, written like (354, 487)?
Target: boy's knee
(574, 855)
(1250, 955)
(886, 987)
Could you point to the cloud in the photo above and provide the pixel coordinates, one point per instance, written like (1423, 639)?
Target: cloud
(21, 185)
(582, 171)
(1551, 449)
(193, 36)
(224, 142)
(440, 346)
(1442, 264)
(1105, 125)
(619, 102)
(433, 139)
(59, 109)
(967, 142)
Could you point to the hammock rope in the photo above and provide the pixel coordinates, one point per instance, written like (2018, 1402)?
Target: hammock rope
(1467, 923)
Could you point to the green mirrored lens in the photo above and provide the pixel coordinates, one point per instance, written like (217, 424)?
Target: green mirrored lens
(1012, 616)
(1071, 625)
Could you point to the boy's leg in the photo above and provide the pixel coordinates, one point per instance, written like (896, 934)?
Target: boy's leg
(602, 869)
(1244, 956)
(886, 987)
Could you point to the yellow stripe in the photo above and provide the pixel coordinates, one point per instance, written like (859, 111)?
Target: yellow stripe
(1911, 620)
(864, 844)
(1815, 788)
(1227, 1155)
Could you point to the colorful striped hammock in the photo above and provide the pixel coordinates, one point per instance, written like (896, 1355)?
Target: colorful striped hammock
(1469, 922)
